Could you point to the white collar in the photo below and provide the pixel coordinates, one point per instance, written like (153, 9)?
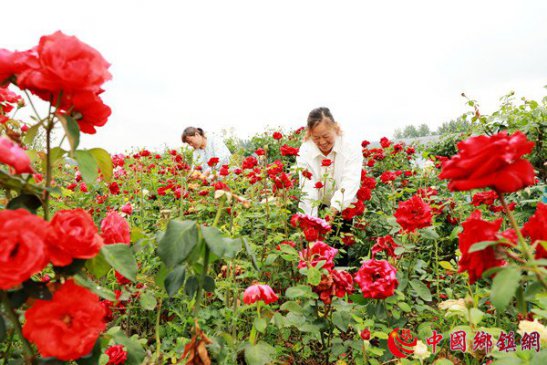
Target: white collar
(337, 148)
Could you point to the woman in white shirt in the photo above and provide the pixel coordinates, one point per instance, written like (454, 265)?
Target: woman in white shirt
(334, 163)
(206, 147)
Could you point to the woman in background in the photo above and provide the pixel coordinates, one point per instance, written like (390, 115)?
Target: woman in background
(334, 163)
(206, 147)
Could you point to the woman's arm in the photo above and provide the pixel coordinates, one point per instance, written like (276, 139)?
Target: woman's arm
(350, 180)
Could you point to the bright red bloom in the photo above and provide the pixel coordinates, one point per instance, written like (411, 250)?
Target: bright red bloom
(490, 161)
(219, 185)
(307, 174)
(388, 176)
(127, 209)
(386, 244)
(348, 239)
(326, 162)
(63, 63)
(114, 188)
(314, 228)
(260, 152)
(318, 251)
(384, 142)
(249, 162)
(7, 98)
(484, 197)
(318, 185)
(13, 155)
(413, 214)
(213, 161)
(22, 246)
(258, 292)
(277, 136)
(377, 279)
(67, 326)
(365, 143)
(116, 355)
(224, 170)
(287, 150)
(72, 235)
(364, 193)
(342, 283)
(115, 229)
(355, 209)
(88, 109)
(536, 229)
(365, 334)
(477, 230)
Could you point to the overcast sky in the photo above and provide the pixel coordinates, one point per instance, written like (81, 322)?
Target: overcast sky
(378, 65)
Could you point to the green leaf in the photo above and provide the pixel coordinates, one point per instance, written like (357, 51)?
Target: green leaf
(446, 265)
(219, 245)
(259, 354)
(29, 202)
(341, 319)
(504, 285)
(260, 324)
(314, 276)
(479, 246)
(191, 286)
(31, 134)
(95, 288)
(98, 265)
(443, 361)
(135, 352)
(177, 242)
(148, 301)
(291, 306)
(209, 284)
(87, 165)
(300, 291)
(72, 131)
(404, 307)
(429, 233)
(121, 258)
(174, 280)
(104, 161)
(250, 253)
(421, 289)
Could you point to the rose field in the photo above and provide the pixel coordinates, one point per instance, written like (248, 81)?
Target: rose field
(138, 258)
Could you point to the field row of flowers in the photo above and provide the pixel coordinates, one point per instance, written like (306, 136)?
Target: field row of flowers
(137, 258)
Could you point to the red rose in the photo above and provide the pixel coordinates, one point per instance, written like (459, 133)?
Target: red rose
(72, 235)
(386, 244)
(127, 209)
(249, 162)
(318, 185)
(490, 161)
(355, 209)
(258, 292)
(116, 355)
(67, 326)
(387, 177)
(307, 174)
(13, 155)
(63, 63)
(287, 150)
(326, 162)
(114, 188)
(377, 279)
(384, 142)
(277, 136)
(224, 171)
(476, 230)
(115, 229)
(88, 109)
(365, 334)
(342, 283)
(484, 197)
(413, 214)
(365, 143)
(213, 161)
(22, 246)
(364, 194)
(260, 152)
(318, 251)
(536, 229)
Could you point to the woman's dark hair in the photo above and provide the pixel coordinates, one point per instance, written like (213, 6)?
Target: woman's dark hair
(191, 131)
(317, 115)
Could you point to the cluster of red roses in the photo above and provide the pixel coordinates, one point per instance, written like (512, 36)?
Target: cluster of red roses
(493, 162)
(372, 155)
(67, 326)
(64, 71)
